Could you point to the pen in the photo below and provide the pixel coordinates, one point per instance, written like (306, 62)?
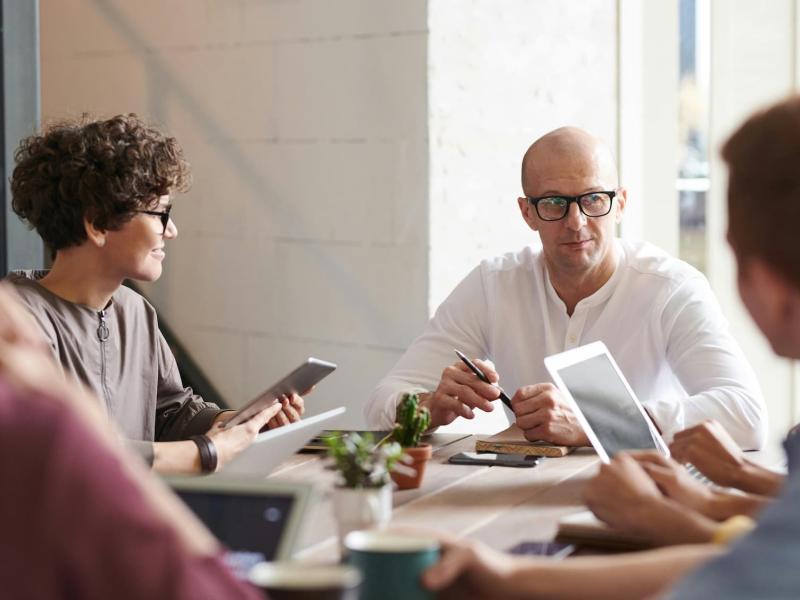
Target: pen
(506, 400)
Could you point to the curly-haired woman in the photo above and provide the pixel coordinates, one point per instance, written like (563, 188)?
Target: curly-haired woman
(98, 193)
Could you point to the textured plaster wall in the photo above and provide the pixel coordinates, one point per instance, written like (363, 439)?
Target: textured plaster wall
(306, 125)
(500, 74)
(353, 159)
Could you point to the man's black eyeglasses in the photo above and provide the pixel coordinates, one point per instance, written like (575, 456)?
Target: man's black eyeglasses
(555, 208)
(162, 214)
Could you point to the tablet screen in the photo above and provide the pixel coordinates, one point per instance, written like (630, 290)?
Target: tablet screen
(299, 381)
(607, 405)
(250, 526)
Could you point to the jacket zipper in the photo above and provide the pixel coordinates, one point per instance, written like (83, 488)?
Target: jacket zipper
(102, 335)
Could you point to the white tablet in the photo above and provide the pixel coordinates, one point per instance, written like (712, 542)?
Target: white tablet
(272, 447)
(612, 417)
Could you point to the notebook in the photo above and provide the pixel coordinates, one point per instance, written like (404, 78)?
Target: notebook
(512, 441)
(584, 529)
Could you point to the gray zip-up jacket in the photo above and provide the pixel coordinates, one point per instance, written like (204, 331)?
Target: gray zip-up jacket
(120, 353)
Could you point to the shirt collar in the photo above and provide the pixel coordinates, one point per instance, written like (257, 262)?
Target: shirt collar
(600, 295)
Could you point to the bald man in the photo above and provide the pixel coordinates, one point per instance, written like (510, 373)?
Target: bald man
(656, 314)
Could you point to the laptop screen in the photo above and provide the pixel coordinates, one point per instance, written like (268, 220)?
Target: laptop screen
(607, 405)
(251, 526)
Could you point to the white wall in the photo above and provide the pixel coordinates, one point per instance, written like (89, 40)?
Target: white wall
(353, 159)
(648, 120)
(500, 75)
(309, 228)
(305, 122)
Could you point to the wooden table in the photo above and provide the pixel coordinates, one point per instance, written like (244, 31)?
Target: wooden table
(500, 506)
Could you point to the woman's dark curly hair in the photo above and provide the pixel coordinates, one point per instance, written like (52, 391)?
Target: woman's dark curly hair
(100, 171)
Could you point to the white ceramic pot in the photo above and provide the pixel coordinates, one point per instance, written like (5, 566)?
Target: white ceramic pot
(361, 508)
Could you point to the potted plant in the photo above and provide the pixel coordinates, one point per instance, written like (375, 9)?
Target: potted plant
(363, 497)
(412, 421)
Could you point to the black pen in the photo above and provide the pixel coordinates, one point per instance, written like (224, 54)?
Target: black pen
(506, 400)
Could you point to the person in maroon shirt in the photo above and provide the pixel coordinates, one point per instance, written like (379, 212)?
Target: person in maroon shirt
(82, 518)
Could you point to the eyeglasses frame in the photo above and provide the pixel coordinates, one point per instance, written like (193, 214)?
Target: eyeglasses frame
(163, 214)
(534, 201)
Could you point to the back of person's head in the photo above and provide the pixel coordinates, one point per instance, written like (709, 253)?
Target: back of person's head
(97, 170)
(763, 156)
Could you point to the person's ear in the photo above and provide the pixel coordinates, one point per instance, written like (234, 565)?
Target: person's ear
(528, 213)
(777, 295)
(789, 297)
(96, 236)
(621, 200)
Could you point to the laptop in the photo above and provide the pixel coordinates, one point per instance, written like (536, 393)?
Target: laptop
(610, 413)
(272, 447)
(257, 520)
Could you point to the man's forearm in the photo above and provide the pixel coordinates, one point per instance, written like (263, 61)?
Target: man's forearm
(635, 575)
(671, 523)
(663, 522)
(759, 480)
(724, 505)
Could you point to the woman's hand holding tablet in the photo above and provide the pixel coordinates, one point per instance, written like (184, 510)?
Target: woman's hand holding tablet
(299, 381)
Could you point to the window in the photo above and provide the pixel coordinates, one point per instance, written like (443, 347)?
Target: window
(693, 129)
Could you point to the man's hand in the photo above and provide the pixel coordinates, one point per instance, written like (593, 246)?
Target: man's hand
(623, 495)
(469, 570)
(675, 481)
(292, 409)
(711, 450)
(460, 392)
(543, 414)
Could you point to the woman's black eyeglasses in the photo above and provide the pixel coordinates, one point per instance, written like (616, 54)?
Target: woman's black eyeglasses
(162, 214)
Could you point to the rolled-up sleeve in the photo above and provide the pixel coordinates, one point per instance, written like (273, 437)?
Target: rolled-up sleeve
(710, 366)
(459, 322)
(180, 413)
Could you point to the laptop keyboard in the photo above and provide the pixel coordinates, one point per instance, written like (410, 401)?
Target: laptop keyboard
(694, 472)
(241, 562)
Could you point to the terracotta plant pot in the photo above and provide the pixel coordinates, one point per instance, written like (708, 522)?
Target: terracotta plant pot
(420, 456)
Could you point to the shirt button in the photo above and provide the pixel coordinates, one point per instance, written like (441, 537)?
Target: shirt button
(572, 339)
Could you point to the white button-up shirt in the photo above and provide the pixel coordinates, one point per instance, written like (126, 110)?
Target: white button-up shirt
(656, 314)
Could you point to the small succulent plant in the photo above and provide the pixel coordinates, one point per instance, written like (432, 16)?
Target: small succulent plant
(412, 421)
(360, 461)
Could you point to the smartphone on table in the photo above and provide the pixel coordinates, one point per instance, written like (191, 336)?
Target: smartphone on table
(495, 460)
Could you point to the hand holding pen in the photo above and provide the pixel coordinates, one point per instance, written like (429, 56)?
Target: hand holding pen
(482, 376)
(461, 391)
